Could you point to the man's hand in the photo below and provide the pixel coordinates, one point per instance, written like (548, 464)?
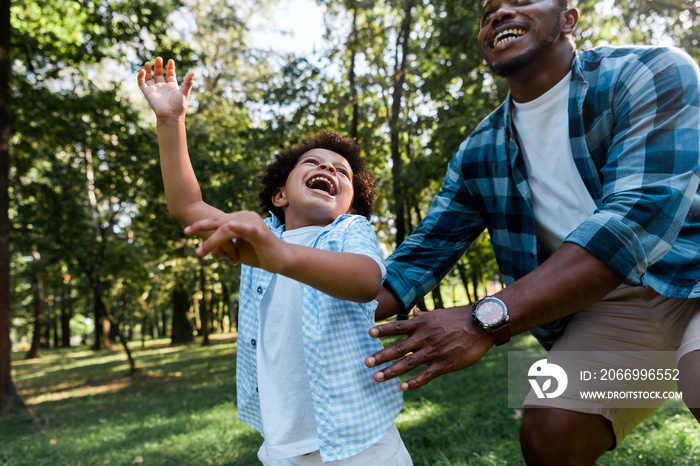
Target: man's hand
(165, 97)
(444, 340)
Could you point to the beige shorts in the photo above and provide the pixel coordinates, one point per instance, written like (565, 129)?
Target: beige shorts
(630, 319)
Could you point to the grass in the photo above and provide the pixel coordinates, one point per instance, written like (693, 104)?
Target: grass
(181, 410)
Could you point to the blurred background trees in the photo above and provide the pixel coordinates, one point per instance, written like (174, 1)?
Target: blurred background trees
(94, 253)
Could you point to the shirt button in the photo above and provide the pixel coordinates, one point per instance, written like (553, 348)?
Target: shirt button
(259, 290)
(253, 342)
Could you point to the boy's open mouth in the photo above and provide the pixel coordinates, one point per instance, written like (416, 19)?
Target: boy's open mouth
(321, 183)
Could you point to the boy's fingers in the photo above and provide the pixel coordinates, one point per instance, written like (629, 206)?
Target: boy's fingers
(187, 84)
(224, 234)
(158, 72)
(170, 72)
(200, 225)
(141, 79)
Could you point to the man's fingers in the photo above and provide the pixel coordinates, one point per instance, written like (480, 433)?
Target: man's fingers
(407, 364)
(425, 376)
(399, 327)
(394, 351)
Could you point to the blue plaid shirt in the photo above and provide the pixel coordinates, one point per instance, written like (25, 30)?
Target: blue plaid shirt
(352, 410)
(634, 117)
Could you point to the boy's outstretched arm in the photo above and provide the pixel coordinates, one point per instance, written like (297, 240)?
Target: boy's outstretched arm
(169, 103)
(343, 275)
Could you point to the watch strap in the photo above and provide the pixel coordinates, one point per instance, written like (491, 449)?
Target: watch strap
(501, 334)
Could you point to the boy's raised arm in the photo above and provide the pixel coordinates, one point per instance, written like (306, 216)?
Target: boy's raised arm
(169, 103)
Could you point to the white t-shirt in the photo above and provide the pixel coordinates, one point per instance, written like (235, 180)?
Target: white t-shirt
(286, 404)
(560, 200)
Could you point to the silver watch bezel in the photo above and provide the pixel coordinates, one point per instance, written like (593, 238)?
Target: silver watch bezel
(505, 318)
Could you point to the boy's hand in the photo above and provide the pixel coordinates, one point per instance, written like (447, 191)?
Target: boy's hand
(163, 94)
(255, 245)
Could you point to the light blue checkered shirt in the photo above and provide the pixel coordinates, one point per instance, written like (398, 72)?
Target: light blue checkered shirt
(352, 410)
(634, 118)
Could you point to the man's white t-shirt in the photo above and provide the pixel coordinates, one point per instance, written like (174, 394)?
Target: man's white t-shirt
(286, 405)
(560, 200)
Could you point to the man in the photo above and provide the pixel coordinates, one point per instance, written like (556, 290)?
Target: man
(587, 180)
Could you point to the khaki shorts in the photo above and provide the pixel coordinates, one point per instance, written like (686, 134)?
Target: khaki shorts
(629, 319)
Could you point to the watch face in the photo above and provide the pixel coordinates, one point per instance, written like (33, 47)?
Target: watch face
(490, 312)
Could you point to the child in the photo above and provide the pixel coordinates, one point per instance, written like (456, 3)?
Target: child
(311, 271)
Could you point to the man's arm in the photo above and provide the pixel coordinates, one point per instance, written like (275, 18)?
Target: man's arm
(447, 340)
(388, 305)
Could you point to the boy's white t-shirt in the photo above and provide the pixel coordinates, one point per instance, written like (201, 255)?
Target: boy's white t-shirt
(286, 405)
(560, 200)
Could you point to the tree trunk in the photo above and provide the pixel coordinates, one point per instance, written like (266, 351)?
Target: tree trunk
(465, 280)
(102, 326)
(475, 285)
(38, 305)
(53, 318)
(231, 307)
(437, 298)
(66, 315)
(204, 306)
(115, 325)
(397, 95)
(163, 329)
(9, 399)
(182, 326)
(352, 45)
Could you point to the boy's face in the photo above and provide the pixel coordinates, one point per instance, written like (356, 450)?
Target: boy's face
(318, 190)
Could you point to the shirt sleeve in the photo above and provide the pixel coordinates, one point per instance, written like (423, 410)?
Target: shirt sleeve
(439, 241)
(651, 170)
(360, 238)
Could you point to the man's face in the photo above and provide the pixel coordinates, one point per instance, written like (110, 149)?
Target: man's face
(515, 33)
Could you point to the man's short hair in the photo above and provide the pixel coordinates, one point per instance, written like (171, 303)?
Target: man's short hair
(277, 172)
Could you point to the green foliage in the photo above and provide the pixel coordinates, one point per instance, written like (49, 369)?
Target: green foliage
(87, 204)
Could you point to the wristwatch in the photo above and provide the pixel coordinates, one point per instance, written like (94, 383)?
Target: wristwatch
(492, 315)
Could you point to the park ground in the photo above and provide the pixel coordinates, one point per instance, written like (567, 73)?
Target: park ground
(180, 409)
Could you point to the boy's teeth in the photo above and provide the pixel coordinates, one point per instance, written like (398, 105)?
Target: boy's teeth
(325, 181)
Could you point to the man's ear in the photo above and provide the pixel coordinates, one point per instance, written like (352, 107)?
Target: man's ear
(570, 20)
(279, 198)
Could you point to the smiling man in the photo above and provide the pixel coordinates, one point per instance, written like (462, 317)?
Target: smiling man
(586, 178)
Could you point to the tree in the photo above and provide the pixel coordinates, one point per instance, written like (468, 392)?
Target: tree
(80, 160)
(9, 399)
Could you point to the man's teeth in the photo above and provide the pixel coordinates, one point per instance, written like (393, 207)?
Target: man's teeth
(507, 36)
(330, 189)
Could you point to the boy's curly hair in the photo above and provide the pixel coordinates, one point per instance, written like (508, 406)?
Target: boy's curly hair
(276, 173)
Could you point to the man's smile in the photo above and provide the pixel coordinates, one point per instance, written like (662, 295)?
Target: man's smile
(507, 35)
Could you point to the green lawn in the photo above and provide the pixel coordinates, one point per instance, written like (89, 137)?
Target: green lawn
(181, 410)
